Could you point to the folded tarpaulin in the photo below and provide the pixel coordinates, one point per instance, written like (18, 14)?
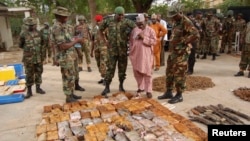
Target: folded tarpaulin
(14, 98)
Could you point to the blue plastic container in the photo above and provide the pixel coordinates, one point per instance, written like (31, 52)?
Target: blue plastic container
(18, 69)
(14, 98)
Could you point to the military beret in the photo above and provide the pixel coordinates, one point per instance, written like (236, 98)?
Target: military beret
(98, 18)
(119, 10)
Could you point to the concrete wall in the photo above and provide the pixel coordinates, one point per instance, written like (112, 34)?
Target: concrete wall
(5, 32)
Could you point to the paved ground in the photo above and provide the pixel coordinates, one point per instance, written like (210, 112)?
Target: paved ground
(18, 121)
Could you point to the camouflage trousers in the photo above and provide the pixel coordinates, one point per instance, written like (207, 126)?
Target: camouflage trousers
(176, 72)
(76, 68)
(113, 59)
(47, 51)
(33, 73)
(68, 75)
(101, 60)
(86, 51)
(227, 39)
(245, 58)
(211, 44)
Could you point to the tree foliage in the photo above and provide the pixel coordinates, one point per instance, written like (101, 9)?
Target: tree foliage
(227, 3)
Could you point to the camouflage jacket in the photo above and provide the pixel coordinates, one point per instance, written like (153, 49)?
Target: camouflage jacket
(31, 44)
(96, 37)
(83, 31)
(182, 31)
(117, 32)
(45, 35)
(240, 25)
(62, 33)
(211, 27)
(228, 25)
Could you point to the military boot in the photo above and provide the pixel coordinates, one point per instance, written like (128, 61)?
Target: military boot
(240, 73)
(177, 98)
(168, 94)
(29, 92)
(121, 89)
(78, 87)
(70, 98)
(214, 56)
(76, 96)
(106, 89)
(39, 90)
(204, 56)
(248, 75)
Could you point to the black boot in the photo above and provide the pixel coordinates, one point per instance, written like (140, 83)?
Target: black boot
(197, 56)
(106, 90)
(204, 56)
(121, 89)
(248, 75)
(214, 56)
(39, 90)
(76, 96)
(70, 99)
(240, 73)
(100, 81)
(177, 98)
(168, 94)
(29, 92)
(78, 87)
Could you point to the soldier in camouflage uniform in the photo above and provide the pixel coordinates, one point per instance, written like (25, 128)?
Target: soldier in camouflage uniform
(99, 48)
(199, 19)
(45, 31)
(118, 29)
(245, 53)
(64, 44)
(183, 33)
(211, 30)
(31, 42)
(240, 25)
(83, 31)
(227, 32)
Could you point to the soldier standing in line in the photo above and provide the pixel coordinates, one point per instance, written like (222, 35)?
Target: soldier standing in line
(47, 53)
(183, 33)
(83, 31)
(245, 54)
(31, 42)
(64, 44)
(227, 32)
(198, 19)
(119, 29)
(211, 30)
(240, 25)
(99, 48)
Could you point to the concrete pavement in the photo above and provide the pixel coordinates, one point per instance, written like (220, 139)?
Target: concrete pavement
(18, 120)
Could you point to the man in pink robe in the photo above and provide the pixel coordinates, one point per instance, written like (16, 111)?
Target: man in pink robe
(141, 54)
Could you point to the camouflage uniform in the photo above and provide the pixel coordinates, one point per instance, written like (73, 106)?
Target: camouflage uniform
(211, 28)
(62, 33)
(30, 42)
(245, 54)
(183, 33)
(85, 34)
(240, 25)
(177, 59)
(227, 34)
(46, 47)
(118, 33)
(100, 51)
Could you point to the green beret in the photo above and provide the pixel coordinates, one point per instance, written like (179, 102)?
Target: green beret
(119, 10)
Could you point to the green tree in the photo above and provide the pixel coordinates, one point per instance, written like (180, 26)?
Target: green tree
(227, 3)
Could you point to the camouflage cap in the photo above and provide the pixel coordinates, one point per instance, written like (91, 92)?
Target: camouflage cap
(119, 10)
(46, 23)
(81, 17)
(62, 11)
(30, 21)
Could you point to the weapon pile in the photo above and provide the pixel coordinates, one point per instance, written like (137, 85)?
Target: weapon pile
(211, 115)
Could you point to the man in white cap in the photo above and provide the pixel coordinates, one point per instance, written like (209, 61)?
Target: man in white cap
(142, 41)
